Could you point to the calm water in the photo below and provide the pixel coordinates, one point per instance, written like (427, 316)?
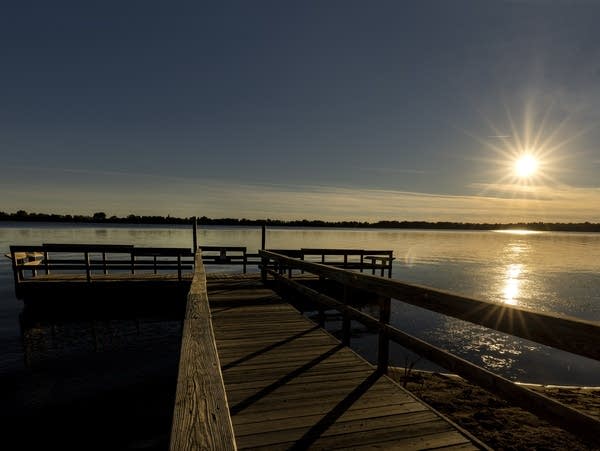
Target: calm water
(554, 272)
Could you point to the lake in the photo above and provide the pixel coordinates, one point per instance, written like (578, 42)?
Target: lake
(545, 271)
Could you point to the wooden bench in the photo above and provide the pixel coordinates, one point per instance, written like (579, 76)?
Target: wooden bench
(220, 255)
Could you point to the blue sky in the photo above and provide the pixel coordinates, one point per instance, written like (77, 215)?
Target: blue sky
(332, 110)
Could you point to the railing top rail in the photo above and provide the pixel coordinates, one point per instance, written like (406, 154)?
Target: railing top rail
(222, 248)
(163, 251)
(562, 332)
(337, 251)
(25, 248)
(114, 248)
(201, 417)
(60, 247)
(288, 252)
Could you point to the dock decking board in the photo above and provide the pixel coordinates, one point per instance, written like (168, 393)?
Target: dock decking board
(291, 385)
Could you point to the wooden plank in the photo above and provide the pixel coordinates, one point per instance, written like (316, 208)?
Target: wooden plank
(439, 440)
(285, 378)
(282, 368)
(358, 374)
(230, 356)
(273, 375)
(290, 395)
(201, 417)
(344, 435)
(260, 410)
(296, 418)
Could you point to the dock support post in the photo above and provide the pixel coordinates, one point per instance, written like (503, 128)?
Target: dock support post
(346, 321)
(195, 233)
(18, 275)
(383, 352)
(264, 261)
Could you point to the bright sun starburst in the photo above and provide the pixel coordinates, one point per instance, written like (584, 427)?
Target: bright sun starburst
(529, 153)
(526, 165)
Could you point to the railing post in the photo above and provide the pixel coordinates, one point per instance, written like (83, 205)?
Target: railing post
(88, 272)
(263, 240)
(17, 274)
(154, 260)
(383, 352)
(105, 270)
(321, 315)
(46, 268)
(132, 263)
(346, 321)
(245, 261)
(195, 233)
(179, 267)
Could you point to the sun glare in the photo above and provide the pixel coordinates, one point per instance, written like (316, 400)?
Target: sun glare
(529, 153)
(526, 166)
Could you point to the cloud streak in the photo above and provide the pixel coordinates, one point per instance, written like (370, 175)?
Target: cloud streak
(115, 193)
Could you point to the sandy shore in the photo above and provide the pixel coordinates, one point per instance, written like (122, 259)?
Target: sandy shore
(493, 420)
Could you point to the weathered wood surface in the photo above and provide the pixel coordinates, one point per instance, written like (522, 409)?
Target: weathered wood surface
(554, 411)
(201, 417)
(561, 332)
(291, 385)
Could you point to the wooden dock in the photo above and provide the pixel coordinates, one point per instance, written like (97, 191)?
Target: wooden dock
(255, 373)
(291, 385)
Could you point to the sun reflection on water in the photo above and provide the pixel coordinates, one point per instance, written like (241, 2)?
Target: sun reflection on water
(519, 231)
(512, 283)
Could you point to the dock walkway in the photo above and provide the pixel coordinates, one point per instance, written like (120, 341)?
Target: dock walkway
(291, 385)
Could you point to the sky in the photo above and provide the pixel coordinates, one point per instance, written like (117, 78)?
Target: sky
(335, 110)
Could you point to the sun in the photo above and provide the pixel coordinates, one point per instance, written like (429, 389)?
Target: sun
(526, 166)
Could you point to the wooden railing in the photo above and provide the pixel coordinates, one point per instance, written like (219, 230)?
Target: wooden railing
(222, 255)
(565, 333)
(99, 259)
(201, 417)
(355, 259)
(378, 260)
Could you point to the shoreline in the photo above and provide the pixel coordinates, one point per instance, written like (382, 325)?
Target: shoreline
(525, 384)
(492, 419)
(44, 218)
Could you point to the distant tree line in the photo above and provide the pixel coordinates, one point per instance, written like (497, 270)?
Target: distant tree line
(103, 218)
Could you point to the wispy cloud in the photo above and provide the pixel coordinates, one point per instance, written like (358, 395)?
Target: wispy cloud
(116, 192)
(393, 171)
